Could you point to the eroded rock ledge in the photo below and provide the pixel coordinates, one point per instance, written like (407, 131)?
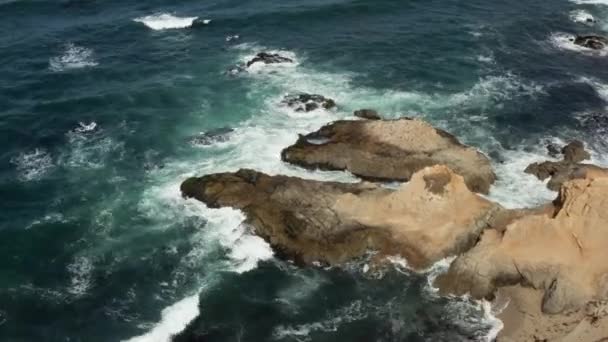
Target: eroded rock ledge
(433, 216)
(563, 253)
(389, 150)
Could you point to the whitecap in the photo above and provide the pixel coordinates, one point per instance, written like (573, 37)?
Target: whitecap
(590, 2)
(581, 16)
(33, 165)
(166, 21)
(173, 320)
(84, 128)
(73, 57)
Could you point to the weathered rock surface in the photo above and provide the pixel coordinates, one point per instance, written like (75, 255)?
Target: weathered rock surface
(308, 102)
(389, 150)
(433, 216)
(566, 169)
(368, 114)
(269, 58)
(524, 320)
(562, 253)
(592, 42)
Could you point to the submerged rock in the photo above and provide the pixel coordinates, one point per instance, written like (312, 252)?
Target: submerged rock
(591, 42)
(308, 102)
(213, 136)
(566, 169)
(269, 58)
(433, 216)
(368, 114)
(562, 252)
(389, 150)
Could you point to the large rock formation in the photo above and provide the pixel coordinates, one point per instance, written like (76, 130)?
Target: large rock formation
(562, 252)
(431, 217)
(566, 169)
(389, 150)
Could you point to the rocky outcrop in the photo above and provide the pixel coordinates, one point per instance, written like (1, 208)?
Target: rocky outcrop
(433, 216)
(389, 150)
(268, 58)
(563, 252)
(308, 102)
(591, 42)
(213, 136)
(368, 114)
(566, 169)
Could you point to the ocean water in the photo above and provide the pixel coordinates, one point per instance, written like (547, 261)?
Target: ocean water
(100, 100)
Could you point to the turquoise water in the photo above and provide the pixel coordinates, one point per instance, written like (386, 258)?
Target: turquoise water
(99, 104)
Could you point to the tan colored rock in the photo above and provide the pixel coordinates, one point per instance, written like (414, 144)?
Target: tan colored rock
(431, 217)
(389, 150)
(568, 168)
(564, 254)
(524, 321)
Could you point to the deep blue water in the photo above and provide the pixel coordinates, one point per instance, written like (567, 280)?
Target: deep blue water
(97, 112)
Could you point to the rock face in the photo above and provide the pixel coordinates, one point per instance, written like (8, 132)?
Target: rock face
(269, 58)
(431, 217)
(562, 253)
(566, 169)
(389, 150)
(368, 114)
(591, 42)
(308, 102)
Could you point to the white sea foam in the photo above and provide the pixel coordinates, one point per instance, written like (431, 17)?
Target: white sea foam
(84, 128)
(174, 319)
(590, 2)
(512, 188)
(166, 21)
(582, 16)
(89, 147)
(73, 57)
(565, 41)
(33, 165)
(81, 275)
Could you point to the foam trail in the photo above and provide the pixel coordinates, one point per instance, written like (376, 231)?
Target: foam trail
(174, 319)
(165, 21)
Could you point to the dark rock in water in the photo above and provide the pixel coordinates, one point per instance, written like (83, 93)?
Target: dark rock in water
(389, 150)
(553, 150)
(591, 42)
(212, 136)
(368, 114)
(590, 20)
(308, 102)
(575, 152)
(432, 216)
(269, 58)
(566, 169)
